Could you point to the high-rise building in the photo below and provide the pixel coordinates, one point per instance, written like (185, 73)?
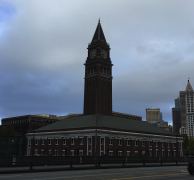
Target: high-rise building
(183, 113)
(153, 115)
(176, 117)
(98, 76)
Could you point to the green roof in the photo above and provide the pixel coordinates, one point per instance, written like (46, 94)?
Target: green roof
(104, 122)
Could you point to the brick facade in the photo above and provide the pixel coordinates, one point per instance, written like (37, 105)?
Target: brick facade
(103, 143)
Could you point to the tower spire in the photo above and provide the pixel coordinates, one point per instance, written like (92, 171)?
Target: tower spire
(189, 87)
(99, 34)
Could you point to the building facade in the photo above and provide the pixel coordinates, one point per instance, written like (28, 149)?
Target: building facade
(103, 143)
(183, 113)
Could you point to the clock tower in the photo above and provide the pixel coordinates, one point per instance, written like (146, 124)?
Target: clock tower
(98, 76)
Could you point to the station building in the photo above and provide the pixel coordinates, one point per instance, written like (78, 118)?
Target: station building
(99, 131)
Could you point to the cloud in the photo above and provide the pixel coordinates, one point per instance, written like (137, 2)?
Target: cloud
(43, 49)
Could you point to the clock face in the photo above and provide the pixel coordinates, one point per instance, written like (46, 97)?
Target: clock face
(99, 53)
(93, 53)
(104, 54)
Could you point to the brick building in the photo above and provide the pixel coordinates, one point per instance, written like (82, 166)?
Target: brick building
(89, 135)
(27, 123)
(21, 125)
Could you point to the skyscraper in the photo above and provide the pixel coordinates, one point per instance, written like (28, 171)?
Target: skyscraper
(98, 76)
(176, 117)
(183, 113)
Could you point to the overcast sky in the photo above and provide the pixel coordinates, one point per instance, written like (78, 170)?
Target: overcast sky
(43, 46)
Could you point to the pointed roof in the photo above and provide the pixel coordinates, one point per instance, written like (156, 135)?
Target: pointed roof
(189, 87)
(99, 35)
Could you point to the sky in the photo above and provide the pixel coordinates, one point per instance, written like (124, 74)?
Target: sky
(43, 46)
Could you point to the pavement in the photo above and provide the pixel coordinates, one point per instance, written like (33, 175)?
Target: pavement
(140, 173)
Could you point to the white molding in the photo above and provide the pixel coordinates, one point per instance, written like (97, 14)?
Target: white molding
(92, 132)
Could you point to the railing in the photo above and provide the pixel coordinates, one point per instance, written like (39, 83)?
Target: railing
(86, 160)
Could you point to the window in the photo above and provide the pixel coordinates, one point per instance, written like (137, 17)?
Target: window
(63, 152)
(64, 141)
(150, 152)
(90, 153)
(101, 153)
(120, 142)
(72, 152)
(120, 153)
(128, 142)
(50, 152)
(57, 141)
(163, 153)
(143, 153)
(28, 151)
(148, 143)
(36, 141)
(43, 142)
(89, 140)
(49, 141)
(136, 152)
(81, 152)
(110, 153)
(136, 143)
(168, 153)
(56, 152)
(174, 153)
(151, 143)
(102, 141)
(81, 141)
(36, 152)
(180, 145)
(128, 153)
(29, 142)
(157, 153)
(111, 141)
(72, 141)
(143, 143)
(42, 152)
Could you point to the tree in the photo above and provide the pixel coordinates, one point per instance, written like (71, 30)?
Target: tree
(188, 145)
